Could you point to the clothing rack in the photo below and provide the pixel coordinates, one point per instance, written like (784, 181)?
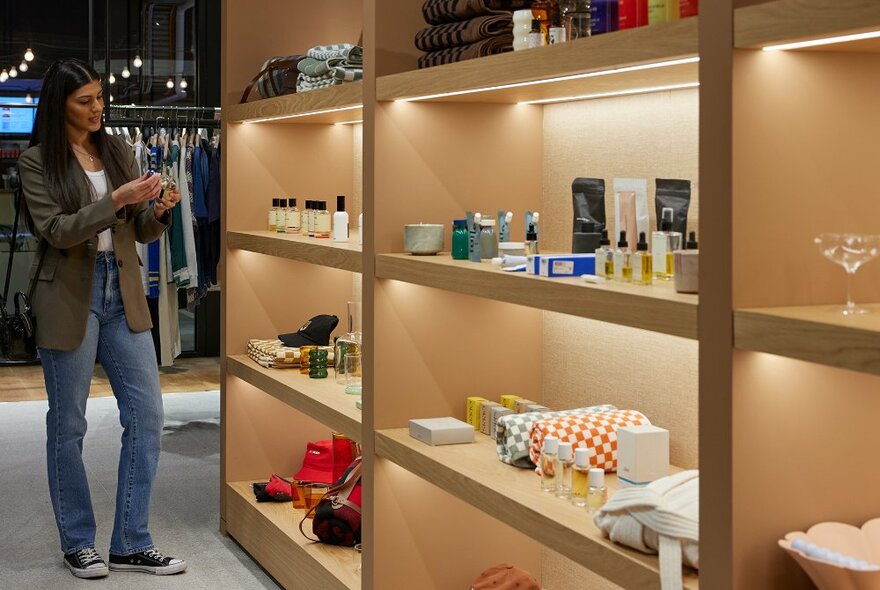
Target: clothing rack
(126, 115)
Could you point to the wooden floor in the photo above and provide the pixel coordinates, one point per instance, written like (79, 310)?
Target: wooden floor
(26, 383)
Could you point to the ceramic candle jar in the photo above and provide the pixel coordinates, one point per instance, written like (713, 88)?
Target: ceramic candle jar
(522, 26)
(423, 239)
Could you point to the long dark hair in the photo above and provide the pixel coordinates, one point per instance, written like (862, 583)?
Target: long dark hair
(61, 172)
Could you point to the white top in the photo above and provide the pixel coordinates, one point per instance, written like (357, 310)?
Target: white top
(99, 183)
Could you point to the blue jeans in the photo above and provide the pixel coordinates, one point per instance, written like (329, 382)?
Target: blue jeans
(129, 360)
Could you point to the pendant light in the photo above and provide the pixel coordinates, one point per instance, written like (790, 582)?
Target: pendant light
(29, 55)
(169, 84)
(137, 62)
(111, 98)
(125, 72)
(111, 79)
(4, 76)
(13, 73)
(23, 66)
(183, 83)
(29, 99)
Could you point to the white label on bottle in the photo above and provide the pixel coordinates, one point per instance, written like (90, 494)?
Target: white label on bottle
(535, 40)
(293, 221)
(637, 261)
(600, 263)
(618, 265)
(658, 244)
(557, 35)
(563, 267)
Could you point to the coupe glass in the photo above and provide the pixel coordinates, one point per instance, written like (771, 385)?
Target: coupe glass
(850, 251)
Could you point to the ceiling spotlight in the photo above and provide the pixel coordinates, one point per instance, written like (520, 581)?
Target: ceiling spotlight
(183, 83)
(29, 99)
(13, 73)
(125, 72)
(169, 83)
(28, 55)
(137, 62)
(4, 76)
(23, 67)
(112, 78)
(111, 98)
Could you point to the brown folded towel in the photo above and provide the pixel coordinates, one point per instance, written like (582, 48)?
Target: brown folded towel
(463, 32)
(438, 12)
(490, 46)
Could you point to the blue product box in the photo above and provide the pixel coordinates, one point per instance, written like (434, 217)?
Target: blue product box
(567, 265)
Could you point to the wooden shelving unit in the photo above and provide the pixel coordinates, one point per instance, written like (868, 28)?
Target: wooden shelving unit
(337, 104)
(270, 532)
(657, 308)
(342, 255)
(322, 399)
(517, 72)
(819, 334)
(474, 474)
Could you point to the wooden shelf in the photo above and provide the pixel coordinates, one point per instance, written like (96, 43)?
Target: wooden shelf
(343, 255)
(269, 531)
(786, 21)
(670, 41)
(329, 105)
(819, 334)
(657, 308)
(322, 399)
(474, 474)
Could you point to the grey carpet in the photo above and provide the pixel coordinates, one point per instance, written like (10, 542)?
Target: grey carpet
(184, 517)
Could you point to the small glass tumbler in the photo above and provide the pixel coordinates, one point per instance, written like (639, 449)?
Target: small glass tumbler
(353, 373)
(314, 492)
(299, 494)
(356, 557)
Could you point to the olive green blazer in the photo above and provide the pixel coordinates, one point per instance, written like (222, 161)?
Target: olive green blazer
(70, 245)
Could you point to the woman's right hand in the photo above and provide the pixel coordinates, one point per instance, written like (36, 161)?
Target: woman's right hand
(141, 189)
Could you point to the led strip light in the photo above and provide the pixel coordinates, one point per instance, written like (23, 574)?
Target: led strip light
(825, 41)
(309, 114)
(349, 122)
(623, 70)
(614, 93)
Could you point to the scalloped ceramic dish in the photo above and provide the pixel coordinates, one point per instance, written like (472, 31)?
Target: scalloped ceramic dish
(860, 543)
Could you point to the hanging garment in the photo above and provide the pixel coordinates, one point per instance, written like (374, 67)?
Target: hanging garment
(212, 198)
(186, 222)
(177, 241)
(153, 249)
(140, 158)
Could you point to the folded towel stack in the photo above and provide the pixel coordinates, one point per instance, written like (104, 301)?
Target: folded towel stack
(465, 29)
(330, 65)
(272, 354)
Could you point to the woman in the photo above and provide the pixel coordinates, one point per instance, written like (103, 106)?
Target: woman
(88, 206)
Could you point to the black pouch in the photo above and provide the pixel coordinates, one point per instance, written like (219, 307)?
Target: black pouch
(588, 199)
(675, 194)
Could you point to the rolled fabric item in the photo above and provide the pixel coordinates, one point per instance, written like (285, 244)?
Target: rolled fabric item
(490, 46)
(351, 53)
(463, 32)
(437, 12)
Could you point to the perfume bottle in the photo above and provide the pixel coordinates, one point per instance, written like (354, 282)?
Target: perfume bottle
(531, 242)
(578, 20)
(340, 221)
(549, 464)
(536, 37)
(281, 217)
(294, 219)
(488, 241)
(597, 493)
(273, 215)
(566, 462)
(605, 257)
(350, 342)
(459, 239)
(543, 11)
(622, 267)
(642, 268)
(307, 229)
(323, 221)
(664, 243)
(557, 31)
(580, 476)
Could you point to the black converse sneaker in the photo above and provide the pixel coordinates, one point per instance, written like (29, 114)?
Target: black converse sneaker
(150, 561)
(86, 563)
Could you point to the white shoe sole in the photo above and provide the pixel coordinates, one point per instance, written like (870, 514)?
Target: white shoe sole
(97, 572)
(157, 571)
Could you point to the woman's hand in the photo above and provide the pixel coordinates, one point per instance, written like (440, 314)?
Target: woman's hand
(166, 203)
(138, 190)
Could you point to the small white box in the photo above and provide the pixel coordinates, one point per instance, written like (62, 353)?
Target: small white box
(642, 454)
(441, 431)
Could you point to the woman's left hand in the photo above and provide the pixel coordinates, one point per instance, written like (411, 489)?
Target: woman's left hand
(167, 203)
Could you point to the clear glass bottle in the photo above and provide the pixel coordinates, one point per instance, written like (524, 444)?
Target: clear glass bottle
(273, 215)
(557, 31)
(294, 219)
(306, 221)
(281, 217)
(664, 242)
(580, 476)
(536, 37)
(577, 22)
(549, 464)
(622, 266)
(642, 267)
(323, 221)
(350, 342)
(566, 462)
(459, 239)
(597, 493)
(605, 257)
(488, 239)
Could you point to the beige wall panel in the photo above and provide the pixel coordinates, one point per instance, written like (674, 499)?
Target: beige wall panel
(805, 451)
(802, 167)
(273, 160)
(560, 573)
(252, 35)
(431, 540)
(396, 27)
(429, 362)
(588, 362)
(437, 161)
(265, 435)
(646, 136)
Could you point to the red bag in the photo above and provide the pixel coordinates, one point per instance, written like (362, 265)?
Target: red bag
(337, 518)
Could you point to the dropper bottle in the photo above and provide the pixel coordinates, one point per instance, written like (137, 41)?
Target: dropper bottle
(622, 266)
(605, 257)
(642, 268)
(665, 242)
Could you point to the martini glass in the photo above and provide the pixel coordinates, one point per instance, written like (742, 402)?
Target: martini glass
(850, 251)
